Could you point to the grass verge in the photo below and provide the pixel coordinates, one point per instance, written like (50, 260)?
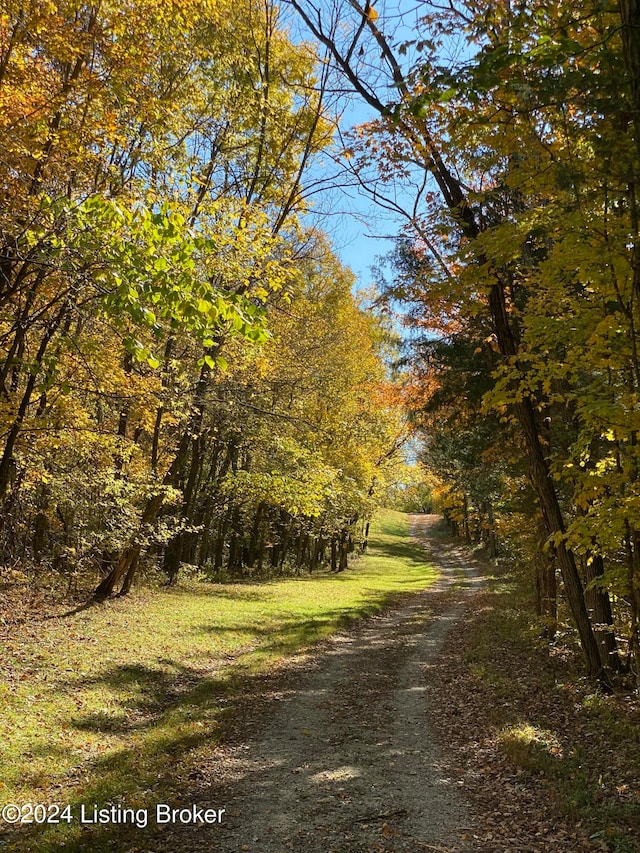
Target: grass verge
(112, 704)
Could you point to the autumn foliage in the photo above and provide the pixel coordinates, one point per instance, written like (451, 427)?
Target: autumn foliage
(507, 141)
(186, 377)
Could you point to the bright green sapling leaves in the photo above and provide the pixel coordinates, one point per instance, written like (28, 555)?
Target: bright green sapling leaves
(152, 271)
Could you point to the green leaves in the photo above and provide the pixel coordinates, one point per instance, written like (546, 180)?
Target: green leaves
(147, 265)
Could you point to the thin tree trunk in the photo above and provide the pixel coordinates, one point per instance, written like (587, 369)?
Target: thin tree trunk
(632, 546)
(6, 463)
(599, 605)
(128, 560)
(255, 536)
(465, 520)
(365, 541)
(546, 591)
(555, 529)
(343, 555)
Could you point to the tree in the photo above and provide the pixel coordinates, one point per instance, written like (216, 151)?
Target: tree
(151, 192)
(297, 435)
(492, 134)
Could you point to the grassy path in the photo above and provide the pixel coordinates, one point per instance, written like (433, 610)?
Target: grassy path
(111, 705)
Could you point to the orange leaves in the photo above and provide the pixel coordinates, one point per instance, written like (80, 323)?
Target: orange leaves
(418, 388)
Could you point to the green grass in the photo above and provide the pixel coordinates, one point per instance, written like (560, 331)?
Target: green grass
(113, 703)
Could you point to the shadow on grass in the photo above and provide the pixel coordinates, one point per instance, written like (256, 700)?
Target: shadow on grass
(149, 770)
(174, 711)
(408, 551)
(228, 590)
(148, 694)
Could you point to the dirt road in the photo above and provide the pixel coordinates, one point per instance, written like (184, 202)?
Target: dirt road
(347, 763)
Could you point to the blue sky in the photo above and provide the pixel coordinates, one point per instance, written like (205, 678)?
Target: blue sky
(356, 237)
(360, 231)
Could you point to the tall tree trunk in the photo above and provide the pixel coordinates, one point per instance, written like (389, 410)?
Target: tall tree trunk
(465, 520)
(255, 536)
(220, 542)
(188, 441)
(632, 545)
(343, 553)
(544, 561)
(555, 529)
(546, 590)
(365, 539)
(286, 528)
(128, 560)
(171, 558)
(548, 498)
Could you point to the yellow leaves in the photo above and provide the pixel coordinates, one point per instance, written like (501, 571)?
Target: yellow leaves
(371, 13)
(113, 124)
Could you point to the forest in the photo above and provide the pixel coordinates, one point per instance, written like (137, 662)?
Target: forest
(201, 401)
(191, 382)
(187, 378)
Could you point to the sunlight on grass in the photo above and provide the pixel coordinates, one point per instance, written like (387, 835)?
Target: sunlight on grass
(529, 747)
(110, 704)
